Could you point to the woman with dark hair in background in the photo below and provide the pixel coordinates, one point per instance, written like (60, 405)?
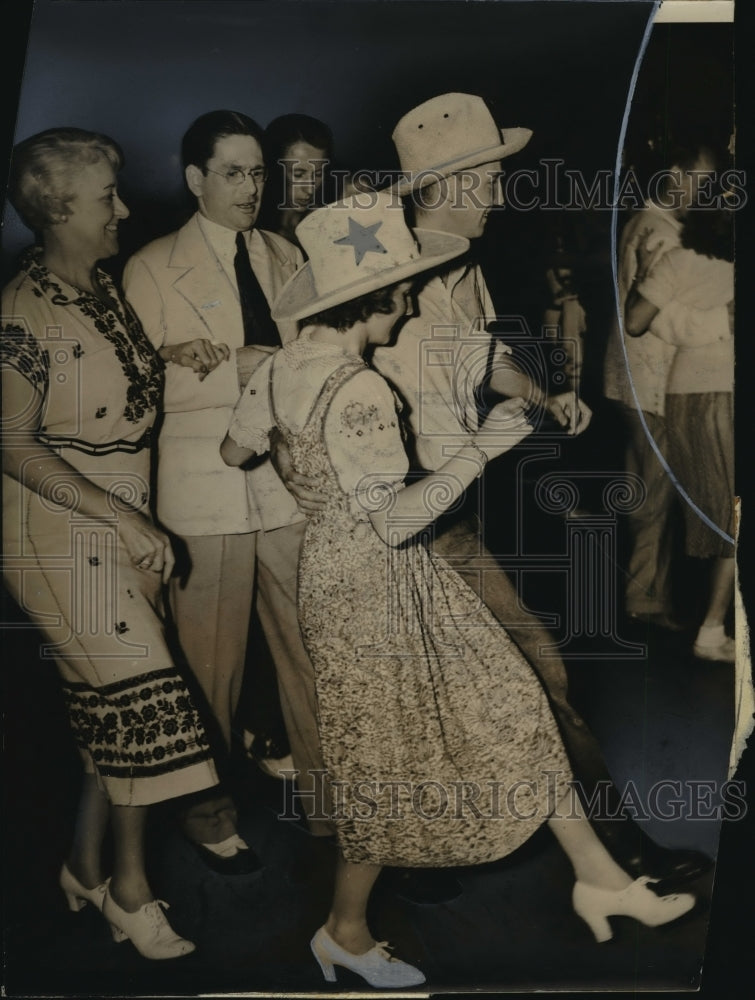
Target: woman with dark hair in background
(699, 401)
(83, 559)
(298, 149)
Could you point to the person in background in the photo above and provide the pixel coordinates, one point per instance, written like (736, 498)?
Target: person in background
(564, 313)
(83, 558)
(636, 375)
(298, 151)
(699, 401)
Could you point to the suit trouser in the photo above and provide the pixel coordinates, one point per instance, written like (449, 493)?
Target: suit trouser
(212, 609)
(459, 541)
(649, 572)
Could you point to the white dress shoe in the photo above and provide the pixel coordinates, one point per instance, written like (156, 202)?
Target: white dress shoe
(595, 905)
(77, 894)
(377, 965)
(147, 929)
(721, 652)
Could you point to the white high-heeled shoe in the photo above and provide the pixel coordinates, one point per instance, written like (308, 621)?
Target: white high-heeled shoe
(595, 905)
(147, 929)
(77, 894)
(377, 965)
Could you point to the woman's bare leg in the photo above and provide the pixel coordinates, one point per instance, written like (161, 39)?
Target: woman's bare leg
(721, 592)
(347, 920)
(85, 856)
(591, 861)
(129, 887)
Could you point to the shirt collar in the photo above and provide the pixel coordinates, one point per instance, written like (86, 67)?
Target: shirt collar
(221, 238)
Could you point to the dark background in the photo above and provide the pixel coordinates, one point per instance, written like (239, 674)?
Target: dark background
(141, 71)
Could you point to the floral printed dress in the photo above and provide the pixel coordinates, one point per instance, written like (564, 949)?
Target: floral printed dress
(100, 381)
(438, 740)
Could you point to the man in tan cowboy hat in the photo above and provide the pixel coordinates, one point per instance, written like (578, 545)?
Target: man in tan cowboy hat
(450, 151)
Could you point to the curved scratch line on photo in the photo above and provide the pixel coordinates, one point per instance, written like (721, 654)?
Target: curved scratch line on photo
(614, 275)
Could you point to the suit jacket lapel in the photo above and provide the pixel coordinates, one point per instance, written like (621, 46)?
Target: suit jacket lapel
(202, 282)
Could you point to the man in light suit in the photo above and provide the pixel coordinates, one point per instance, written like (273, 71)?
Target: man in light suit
(194, 305)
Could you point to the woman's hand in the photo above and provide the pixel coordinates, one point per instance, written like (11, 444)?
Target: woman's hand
(202, 356)
(569, 411)
(149, 548)
(505, 426)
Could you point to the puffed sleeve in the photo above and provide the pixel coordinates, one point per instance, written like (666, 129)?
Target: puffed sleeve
(365, 444)
(252, 418)
(20, 350)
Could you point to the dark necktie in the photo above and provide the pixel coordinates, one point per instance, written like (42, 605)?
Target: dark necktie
(259, 327)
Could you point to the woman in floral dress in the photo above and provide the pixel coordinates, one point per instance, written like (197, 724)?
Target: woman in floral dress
(81, 387)
(437, 737)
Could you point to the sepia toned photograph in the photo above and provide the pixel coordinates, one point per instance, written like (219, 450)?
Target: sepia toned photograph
(373, 564)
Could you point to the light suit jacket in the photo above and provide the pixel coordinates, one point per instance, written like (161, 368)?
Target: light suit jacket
(180, 292)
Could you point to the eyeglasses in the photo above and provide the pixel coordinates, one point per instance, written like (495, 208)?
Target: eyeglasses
(236, 176)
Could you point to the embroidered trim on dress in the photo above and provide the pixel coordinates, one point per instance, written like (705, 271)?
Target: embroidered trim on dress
(20, 350)
(130, 447)
(141, 726)
(118, 323)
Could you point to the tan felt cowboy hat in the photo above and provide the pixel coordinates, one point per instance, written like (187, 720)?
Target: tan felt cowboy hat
(447, 134)
(356, 246)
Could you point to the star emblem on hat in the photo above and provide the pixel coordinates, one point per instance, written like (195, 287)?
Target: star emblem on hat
(363, 239)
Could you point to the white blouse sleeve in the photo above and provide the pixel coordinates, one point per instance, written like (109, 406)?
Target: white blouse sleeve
(252, 418)
(660, 286)
(365, 444)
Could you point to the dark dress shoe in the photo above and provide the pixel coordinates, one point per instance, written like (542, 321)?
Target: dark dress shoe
(638, 854)
(243, 862)
(428, 886)
(667, 864)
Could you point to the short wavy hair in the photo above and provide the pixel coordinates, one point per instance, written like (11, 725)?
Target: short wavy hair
(44, 166)
(345, 315)
(286, 130)
(198, 143)
(710, 232)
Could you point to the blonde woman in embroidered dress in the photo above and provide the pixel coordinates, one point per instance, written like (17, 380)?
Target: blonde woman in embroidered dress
(81, 387)
(421, 694)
